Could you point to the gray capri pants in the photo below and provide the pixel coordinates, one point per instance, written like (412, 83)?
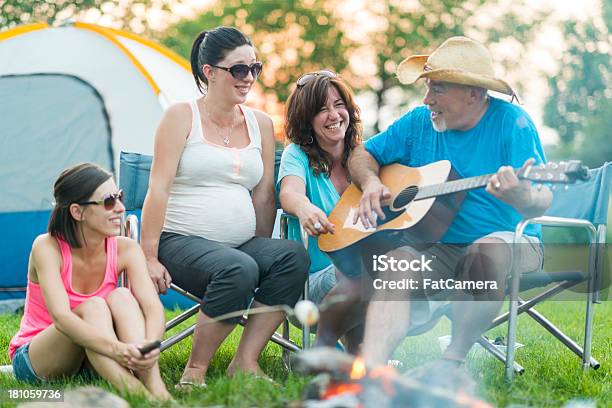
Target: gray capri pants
(225, 278)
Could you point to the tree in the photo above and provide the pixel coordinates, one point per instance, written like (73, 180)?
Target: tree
(15, 12)
(132, 14)
(291, 37)
(579, 107)
(406, 28)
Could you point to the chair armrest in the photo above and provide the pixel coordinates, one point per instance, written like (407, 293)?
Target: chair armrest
(131, 227)
(284, 228)
(557, 222)
(594, 239)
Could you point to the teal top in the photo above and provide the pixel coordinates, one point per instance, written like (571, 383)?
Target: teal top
(319, 190)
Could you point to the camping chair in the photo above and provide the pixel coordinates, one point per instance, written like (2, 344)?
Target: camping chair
(134, 180)
(583, 205)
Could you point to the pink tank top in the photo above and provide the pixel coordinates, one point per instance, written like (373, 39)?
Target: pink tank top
(36, 317)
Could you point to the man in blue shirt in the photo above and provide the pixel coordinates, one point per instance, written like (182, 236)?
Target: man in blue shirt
(479, 134)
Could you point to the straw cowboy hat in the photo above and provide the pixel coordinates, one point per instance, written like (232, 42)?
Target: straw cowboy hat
(458, 60)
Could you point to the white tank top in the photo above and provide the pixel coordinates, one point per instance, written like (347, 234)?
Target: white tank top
(210, 196)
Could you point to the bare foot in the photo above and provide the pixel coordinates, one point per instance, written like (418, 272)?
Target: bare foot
(152, 380)
(252, 369)
(245, 368)
(163, 395)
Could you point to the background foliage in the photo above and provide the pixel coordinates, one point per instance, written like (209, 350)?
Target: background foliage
(291, 37)
(580, 106)
(365, 42)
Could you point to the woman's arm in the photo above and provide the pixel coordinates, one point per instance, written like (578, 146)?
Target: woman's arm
(264, 199)
(294, 201)
(46, 260)
(170, 139)
(132, 260)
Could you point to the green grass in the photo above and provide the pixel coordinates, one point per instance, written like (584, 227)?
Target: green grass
(553, 374)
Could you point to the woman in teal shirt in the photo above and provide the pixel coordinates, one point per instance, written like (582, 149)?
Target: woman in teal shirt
(323, 125)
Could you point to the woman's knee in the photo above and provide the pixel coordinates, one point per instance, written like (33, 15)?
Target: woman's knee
(121, 297)
(243, 276)
(94, 308)
(231, 288)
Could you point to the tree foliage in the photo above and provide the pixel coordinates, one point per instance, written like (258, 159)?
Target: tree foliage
(297, 36)
(407, 30)
(15, 12)
(579, 107)
(409, 27)
(130, 14)
(291, 37)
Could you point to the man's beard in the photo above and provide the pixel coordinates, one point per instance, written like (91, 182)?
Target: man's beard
(439, 125)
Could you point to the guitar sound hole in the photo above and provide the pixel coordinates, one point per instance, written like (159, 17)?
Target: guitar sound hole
(405, 197)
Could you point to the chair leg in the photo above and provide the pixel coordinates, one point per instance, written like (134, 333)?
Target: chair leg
(276, 338)
(182, 317)
(511, 339)
(587, 360)
(562, 337)
(171, 341)
(588, 318)
(500, 355)
(285, 344)
(286, 336)
(525, 305)
(306, 327)
(512, 312)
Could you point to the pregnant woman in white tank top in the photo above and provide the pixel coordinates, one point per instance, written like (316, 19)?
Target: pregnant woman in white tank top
(210, 207)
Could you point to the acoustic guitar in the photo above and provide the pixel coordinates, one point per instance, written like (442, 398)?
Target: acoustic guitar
(424, 201)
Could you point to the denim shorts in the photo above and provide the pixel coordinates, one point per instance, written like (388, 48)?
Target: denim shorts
(320, 283)
(22, 366)
(23, 370)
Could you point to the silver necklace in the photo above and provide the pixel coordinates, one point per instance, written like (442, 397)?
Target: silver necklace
(226, 139)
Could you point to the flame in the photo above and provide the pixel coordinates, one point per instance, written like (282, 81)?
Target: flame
(358, 370)
(342, 388)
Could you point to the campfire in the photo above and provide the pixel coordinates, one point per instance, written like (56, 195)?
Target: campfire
(343, 381)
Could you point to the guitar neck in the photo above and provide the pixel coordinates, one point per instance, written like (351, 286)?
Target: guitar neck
(450, 187)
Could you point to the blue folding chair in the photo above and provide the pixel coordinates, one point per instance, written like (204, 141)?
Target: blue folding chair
(582, 205)
(134, 180)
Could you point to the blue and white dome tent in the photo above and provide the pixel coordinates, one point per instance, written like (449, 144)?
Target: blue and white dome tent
(73, 93)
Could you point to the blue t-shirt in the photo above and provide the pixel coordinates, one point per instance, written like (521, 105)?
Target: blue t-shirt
(319, 190)
(505, 136)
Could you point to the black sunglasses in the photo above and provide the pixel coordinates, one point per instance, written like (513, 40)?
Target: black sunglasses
(241, 71)
(108, 201)
(306, 78)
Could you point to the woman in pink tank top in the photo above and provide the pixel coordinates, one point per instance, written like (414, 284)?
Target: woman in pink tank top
(75, 315)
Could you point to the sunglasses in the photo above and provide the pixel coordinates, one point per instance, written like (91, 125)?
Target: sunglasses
(241, 71)
(108, 201)
(306, 78)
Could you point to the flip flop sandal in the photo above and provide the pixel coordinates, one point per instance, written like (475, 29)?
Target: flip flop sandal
(189, 386)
